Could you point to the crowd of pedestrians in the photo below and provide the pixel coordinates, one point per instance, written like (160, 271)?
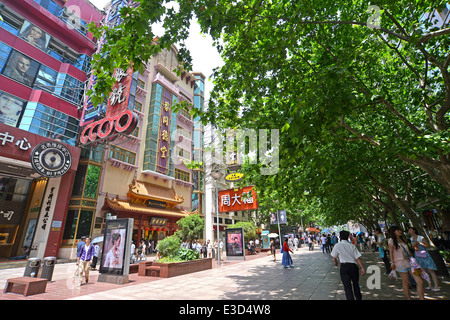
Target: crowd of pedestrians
(405, 256)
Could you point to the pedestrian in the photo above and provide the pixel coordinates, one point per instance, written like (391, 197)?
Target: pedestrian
(383, 248)
(310, 243)
(349, 258)
(141, 251)
(323, 240)
(80, 244)
(421, 245)
(132, 252)
(398, 250)
(209, 248)
(334, 240)
(328, 243)
(95, 256)
(286, 261)
(273, 249)
(296, 243)
(84, 260)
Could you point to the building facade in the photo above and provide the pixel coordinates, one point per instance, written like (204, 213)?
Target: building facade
(45, 53)
(141, 174)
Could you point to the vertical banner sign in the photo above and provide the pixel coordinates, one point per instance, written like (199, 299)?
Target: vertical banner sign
(118, 99)
(162, 165)
(118, 119)
(91, 112)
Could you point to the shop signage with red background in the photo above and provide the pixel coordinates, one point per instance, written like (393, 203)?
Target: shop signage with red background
(117, 119)
(237, 199)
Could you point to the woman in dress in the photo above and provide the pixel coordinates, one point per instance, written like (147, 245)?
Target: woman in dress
(420, 244)
(273, 249)
(287, 260)
(398, 250)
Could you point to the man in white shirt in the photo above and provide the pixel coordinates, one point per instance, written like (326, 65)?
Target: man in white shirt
(350, 258)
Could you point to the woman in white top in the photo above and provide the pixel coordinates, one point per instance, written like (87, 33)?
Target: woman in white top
(398, 250)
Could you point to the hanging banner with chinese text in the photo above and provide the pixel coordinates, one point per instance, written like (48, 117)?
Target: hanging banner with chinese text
(162, 165)
(237, 199)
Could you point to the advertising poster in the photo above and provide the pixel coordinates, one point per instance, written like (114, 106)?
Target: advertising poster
(10, 109)
(114, 253)
(235, 242)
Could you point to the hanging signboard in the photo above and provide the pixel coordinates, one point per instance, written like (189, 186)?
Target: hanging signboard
(235, 176)
(237, 199)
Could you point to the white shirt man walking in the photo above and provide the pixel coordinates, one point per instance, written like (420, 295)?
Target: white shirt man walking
(350, 258)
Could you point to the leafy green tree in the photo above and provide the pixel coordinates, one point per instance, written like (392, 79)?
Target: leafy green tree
(249, 229)
(363, 111)
(191, 227)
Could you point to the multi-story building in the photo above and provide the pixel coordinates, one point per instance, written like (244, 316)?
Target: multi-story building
(141, 175)
(45, 52)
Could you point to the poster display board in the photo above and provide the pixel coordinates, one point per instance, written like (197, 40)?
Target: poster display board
(235, 242)
(116, 247)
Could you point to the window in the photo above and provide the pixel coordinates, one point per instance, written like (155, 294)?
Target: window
(137, 106)
(12, 22)
(185, 113)
(46, 79)
(141, 84)
(183, 153)
(49, 122)
(182, 175)
(70, 88)
(184, 132)
(4, 53)
(78, 224)
(122, 154)
(135, 132)
(92, 179)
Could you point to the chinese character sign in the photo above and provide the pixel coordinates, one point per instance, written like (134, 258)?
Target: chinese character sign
(237, 199)
(118, 99)
(162, 165)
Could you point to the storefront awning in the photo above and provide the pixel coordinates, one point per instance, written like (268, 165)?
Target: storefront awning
(125, 206)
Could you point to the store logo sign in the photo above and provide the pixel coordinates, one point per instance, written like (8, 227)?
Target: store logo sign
(51, 159)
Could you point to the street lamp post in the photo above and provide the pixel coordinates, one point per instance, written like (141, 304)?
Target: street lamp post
(216, 174)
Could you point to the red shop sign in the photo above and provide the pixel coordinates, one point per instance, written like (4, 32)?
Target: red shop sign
(237, 199)
(123, 123)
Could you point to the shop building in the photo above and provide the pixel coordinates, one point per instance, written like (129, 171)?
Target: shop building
(45, 52)
(139, 174)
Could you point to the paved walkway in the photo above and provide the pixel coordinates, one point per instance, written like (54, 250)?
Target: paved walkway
(257, 278)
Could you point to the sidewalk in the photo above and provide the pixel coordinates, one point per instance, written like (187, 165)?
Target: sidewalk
(257, 278)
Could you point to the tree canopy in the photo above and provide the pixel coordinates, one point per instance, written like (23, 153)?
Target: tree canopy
(359, 92)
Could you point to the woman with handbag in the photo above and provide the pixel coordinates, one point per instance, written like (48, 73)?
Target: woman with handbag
(400, 262)
(420, 245)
